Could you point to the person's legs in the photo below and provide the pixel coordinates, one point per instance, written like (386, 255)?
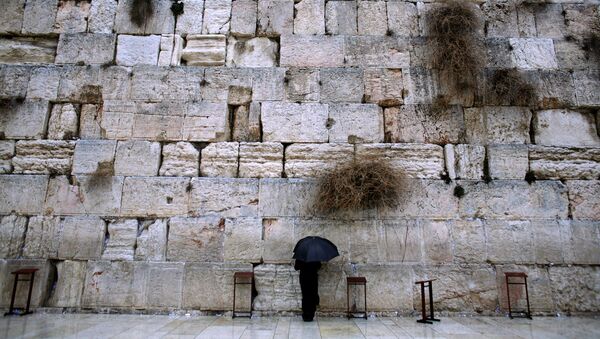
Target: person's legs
(309, 301)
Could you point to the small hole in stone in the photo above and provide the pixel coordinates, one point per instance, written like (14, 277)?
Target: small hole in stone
(169, 200)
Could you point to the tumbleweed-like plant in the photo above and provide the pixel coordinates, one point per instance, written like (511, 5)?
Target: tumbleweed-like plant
(359, 184)
(141, 11)
(509, 86)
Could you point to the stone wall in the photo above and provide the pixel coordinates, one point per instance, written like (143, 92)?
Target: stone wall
(141, 166)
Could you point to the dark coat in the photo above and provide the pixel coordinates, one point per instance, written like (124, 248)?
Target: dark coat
(309, 284)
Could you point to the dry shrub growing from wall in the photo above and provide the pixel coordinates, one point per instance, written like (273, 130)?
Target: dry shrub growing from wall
(357, 185)
(509, 86)
(141, 11)
(455, 45)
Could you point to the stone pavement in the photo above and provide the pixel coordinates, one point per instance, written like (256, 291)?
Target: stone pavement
(222, 327)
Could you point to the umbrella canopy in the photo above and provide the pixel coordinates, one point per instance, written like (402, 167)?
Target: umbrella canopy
(312, 248)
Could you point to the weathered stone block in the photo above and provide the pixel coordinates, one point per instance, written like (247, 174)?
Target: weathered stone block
(390, 287)
(137, 50)
(469, 241)
(72, 16)
(554, 89)
(43, 156)
(279, 240)
(402, 19)
(164, 287)
(412, 160)
(402, 242)
(137, 158)
(564, 163)
(11, 17)
(572, 287)
(115, 284)
(355, 123)
(261, 160)
(340, 17)
(159, 196)
(241, 124)
(509, 199)
(190, 21)
(278, 288)
(239, 95)
(420, 198)
(560, 127)
(302, 84)
(287, 197)
(268, 84)
(437, 242)
(16, 80)
(420, 86)
(151, 244)
(42, 238)
(93, 195)
(81, 237)
(162, 20)
(372, 18)
(69, 284)
(39, 16)
(501, 19)
(24, 121)
(421, 124)
(587, 87)
(243, 240)
(217, 15)
(579, 241)
(311, 51)
(88, 48)
(341, 85)
(157, 127)
(206, 121)
(63, 123)
(275, 17)
(7, 151)
(584, 199)
(509, 241)
(243, 18)
(468, 161)
(383, 86)
(219, 80)
(255, 52)
(530, 53)
(40, 286)
(289, 122)
(508, 161)
(547, 241)
(314, 160)
(43, 83)
(369, 51)
(180, 159)
(116, 83)
(196, 239)
(12, 198)
(204, 50)
(309, 17)
(12, 235)
(500, 125)
(102, 16)
(220, 159)
(95, 157)
(226, 197)
(20, 50)
(122, 236)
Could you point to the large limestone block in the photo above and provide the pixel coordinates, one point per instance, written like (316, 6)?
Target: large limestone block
(94, 157)
(290, 122)
(72, 17)
(369, 51)
(539, 287)
(579, 241)
(261, 160)
(275, 17)
(7, 151)
(390, 287)
(243, 240)
(137, 158)
(102, 16)
(69, 284)
(164, 287)
(501, 19)
(562, 127)
(508, 161)
(380, 242)
(164, 88)
(115, 284)
(268, 84)
(423, 198)
(509, 241)
(158, 196)
(564, 163)
(497, 124)
(43, 156)
(437, 242)
(204, 50)
(532, 53)
(190, 21)
(217, 16)
(42, 238)
(81, 238)
(80, 84)
(279, 240)
(137, 50)
(311, 51)
(226, 197)
(309, 17)
(122, 236)
(63, 123)
(39, 16)
(12, 235)
(465, 161)
(383, 86)
(11, 16)
(302, 84)
(206, 121)
(340, 17)
(13, 199)
(287, 197)
(93, 195)
(587, 88)
(514, 200)
(341, 84)
(402, 19)
(40, 286)
(416, 123)
(209, 287)
(355, 123)
(278, 288)
(420, 86)
(151, 244)
(27, 50)
(547, 242)
(243, 18)
(410, 160)
(180, 159)
(27, 120)
(255, 52)
(43, 83)
(584, 199)
(575, 288)
(162, 20)
(218, 80)
(469, 241)
(196, 239)
(86, 48)
(220, 159)
(315, 160)
(372, 18)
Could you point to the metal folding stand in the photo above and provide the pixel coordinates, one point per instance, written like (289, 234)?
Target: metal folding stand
(23, 271)
(357, 281)
(243, 278)
(426, 319)
(522, 275)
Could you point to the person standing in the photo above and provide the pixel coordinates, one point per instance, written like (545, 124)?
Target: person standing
(309, 285)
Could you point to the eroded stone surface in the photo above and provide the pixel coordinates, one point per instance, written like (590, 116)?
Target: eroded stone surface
(311, 51)
(63, 123)
(43, 156)
(468, 161)
(255, 52)
(151, 243)
(13, 199)
(190, 21)
(572, 287)
(424, 124)
(12, 235)
(180, 160)
(275, 17)
(137, 50)
(584, 199)
(70, 284)
(533, 53)
(90, 195)
(261, 160)
(154, 196)
(91, 49)
(508, 161)
(564, 163)
(225, 197)
(243, 240)
(355, 123)
(204, 50)
(217, 15)
(314, 160)
(412, 160)
(220, 159)
(7, 151)
(81, 237)
(289, 122)
(497, 124)
(137, 158)
(340, 17)
(372, 18)
(122, 234)
(94, 157)
(309, 17)
(27, 120)
(565, 128)
(42, 238)
(196, 239)
(102, 16)
(243, 17)
(341, 84)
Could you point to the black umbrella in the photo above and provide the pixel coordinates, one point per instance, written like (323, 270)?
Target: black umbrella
(312, 248)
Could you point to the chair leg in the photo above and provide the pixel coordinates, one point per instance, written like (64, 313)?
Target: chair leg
(12, 298)
(233, 312)
(527, 297)
(508, 298)
(29, 294)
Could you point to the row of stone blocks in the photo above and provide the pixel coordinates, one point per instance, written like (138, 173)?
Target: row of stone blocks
(246, 18)
(149, 286)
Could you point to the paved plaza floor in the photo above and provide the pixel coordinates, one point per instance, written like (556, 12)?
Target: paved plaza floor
(223, 327)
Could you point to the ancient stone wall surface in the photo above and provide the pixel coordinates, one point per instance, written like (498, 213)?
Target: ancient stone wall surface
(141, 166)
